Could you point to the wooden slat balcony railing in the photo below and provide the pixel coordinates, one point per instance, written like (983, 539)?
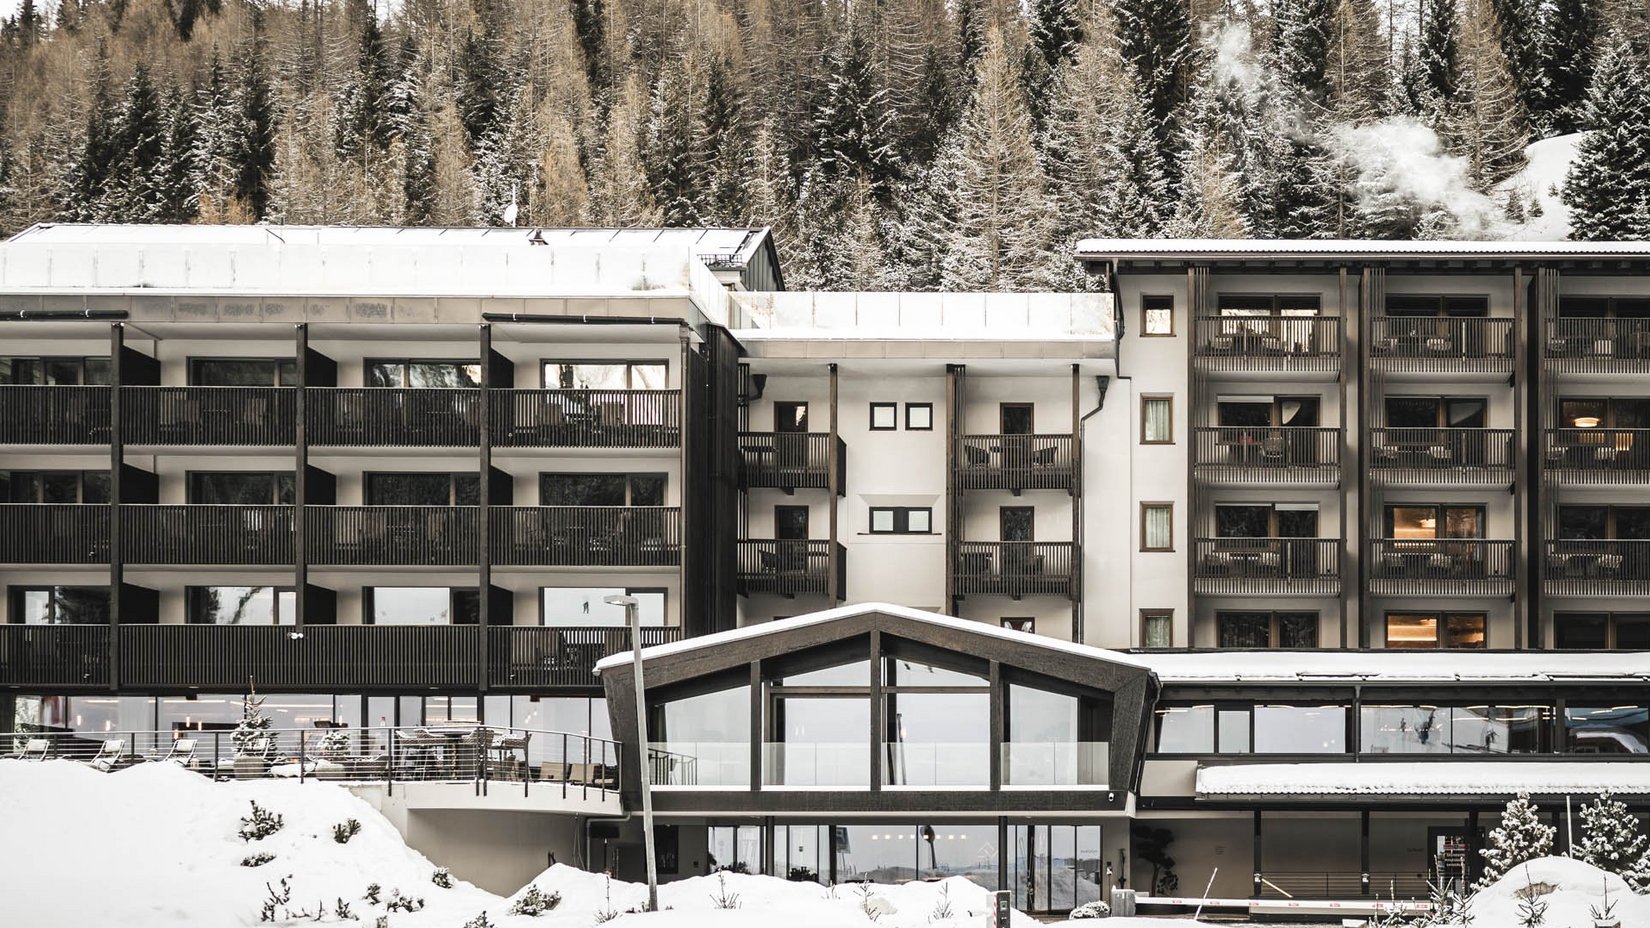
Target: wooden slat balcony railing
(1268, 344)
(54, 533)
(538, 657)
(41, 415)
(1016, 568)
(1016, 462)
(587, 536)
(1598, 345)
(1597, 567)
(364, 656)
(1459, 457)
(1440, 567)
(1599, 457)
(1456, 344)
(1263, 456)
(54, 656)
(393, 417)
(586, 418)
(791, 460)
(246, 416)
(789, 567)
(1267, 566)
(206, 534)
(391, 535)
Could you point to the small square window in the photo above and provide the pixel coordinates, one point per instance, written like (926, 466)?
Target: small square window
(919, 417)
(902, 520)
(1156, 628)
(882, 521)
(1156, 315)
(919, 521)
(1157, 526)
(1156, 420)
(884, 417)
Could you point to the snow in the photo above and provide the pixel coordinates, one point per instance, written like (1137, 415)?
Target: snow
(1541, 179)
(1101, 248)
(1424, 777)
(1397, 666)
(1576, 889)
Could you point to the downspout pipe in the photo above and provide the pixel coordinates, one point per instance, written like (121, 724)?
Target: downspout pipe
(1079, 632)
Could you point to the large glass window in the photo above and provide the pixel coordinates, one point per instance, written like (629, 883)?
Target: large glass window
(1260, 629)
(242, 488)
(1055, 868)
(1601, 729)
(606, 375)
(1467, 729)
(602, 489)
(702, 740)
(423, 605)
(1625, 631)
(54, 486)
(1436, 630)
(1300, 729)
(241, 605)
(736, 848)
(937, 722)
(53, 371)
(423, 374)
(817, 740)
(61, 605)
(1055, 739)
(587, 605)
(394, 489)
(1186, 730)
(1404, 729)
(243, 372)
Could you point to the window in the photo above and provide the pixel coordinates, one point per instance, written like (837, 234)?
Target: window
(241, 488)
(241, 605)
(919, 417)
(902, 520)
(1426, 523)
(937, 722)
(1629, 523)
(1597, 307)
(54, 486)
(1185, 729)
(54, 371)
(423, 373)
(1020, 623)
(1408, 304)
(1016, 523)
(1477, 730)
(586, 605)
(1606, 729)
(1599, 631)
(1055, 738)
(704, 739)
(1435, 412)
(1266, 520)
(1238, 305)
(606, 375)
(1242, 729)
(790, 417)
(884, 417)
(384, 489)
(1157, 628)
(1610, 413)
(1300, 729)
(1258, 629)
(243, 372)
(1157, 420)
(1157, 526)
(1436, 630)
(60, 605)
(601, 489)
(422, 605)
(1262, 411)
(1156, 315)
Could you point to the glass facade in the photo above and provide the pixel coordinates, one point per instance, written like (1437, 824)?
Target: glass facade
(701, 740)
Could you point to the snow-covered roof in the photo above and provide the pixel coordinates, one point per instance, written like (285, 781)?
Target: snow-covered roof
(1416, 778)
(1397, 666)
(926, 316)
(1104, 248)
(781, 626)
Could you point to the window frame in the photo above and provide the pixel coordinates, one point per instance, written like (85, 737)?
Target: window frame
(912, 407)
(1146, 618)
(1145, 400)
(893, 417)
(664, 604)
(11, 480)
(44, 359)
(1274, 628)
(190, 484)
(281, 367)
(452, 484)
(628, 476)
(1441, 617)
(1612, 622)
(779, 408)
(369, 605)
(192, 592)
(1146, 311)
(630, 365)
(902, 520)
(405, 364)
(1146, 505)
(17, 594)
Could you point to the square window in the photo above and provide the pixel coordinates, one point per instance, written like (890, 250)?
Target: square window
(1156, 420)
(1157, 628)
(919, 521)
(884, 417)
(882, 521)
(1157, 526)
(901, 520)
(919, 417)
(1156, 315)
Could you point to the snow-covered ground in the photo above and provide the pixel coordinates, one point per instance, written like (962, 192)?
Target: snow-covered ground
(1571, 890)
(1541, 181)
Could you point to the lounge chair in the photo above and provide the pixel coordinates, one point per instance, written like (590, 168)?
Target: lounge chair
(111, 756)
(33, 749)
(182, 751)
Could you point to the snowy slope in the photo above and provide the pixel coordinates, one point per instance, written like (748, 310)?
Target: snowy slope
(1542, 179)
(1575, 889)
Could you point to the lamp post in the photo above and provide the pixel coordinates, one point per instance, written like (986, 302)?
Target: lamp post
(645, 772)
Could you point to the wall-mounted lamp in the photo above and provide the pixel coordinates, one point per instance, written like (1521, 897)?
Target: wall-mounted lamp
(1586, 422)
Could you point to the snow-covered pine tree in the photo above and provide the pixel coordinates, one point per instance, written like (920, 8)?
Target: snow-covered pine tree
(413, 141)
(671, 138)
(1570, 34)
(1300, 46)
(1520, 837)
(723, 147)
(1487, 124)
(1518, 27)
(1613, 840)
(362, 117)
(86, 176)
(252, 732)
(852, 131)
(619, 192)
(1608, 186)
(1155, 37)
(178, 191)
(134, 191)
(252, 140)
(480, 83)
(1439, 53)
(1055, 31)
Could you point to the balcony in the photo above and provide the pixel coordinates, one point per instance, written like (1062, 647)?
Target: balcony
(1017, 462)
(54, 656)
(1245, 456)
(54, 533)
(789, 567)
(586, 418)
(1267, 566)
(377, 657)
(1598, 457)
(1442, 344)
(539, 657)
(1441, 457)
(586, 536)
(206, 534)
(1440, 567)
(391, 535)
(792, 460)
(1597, 567)
(393, 417)
(245, 416)
(1268, 344)
(39, 415)
(1598, 346)
(1016, 568)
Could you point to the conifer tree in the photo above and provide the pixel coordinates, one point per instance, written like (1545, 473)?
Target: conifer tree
(1518, 26)
(1055, 34)
(1439, 56)
(619, 191)
(88, 172)
(1613, 840)
(178, 180)
(1608, 187)
(851, 127)
(1360, 69)
(1155, 37)
(935, 109)
(1301, 46)
(252, 140)
(1487, 125)
(671, 148)
(363, 118)
(1569, 36)
(1520, 837)
(723, 147)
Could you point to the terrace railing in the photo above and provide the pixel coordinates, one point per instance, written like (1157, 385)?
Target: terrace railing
(1016, 568)
(1598, 345)
(392, 535)
(791, 460)
(529, 657)
(788, 567)
(54, 656)
(206, 534)
(587, 536)
(248, 416)
(1457, 344)
(1440, 567)
(1597, 567)
(1261, 455)
(52, 415)
(1598, 456)
(1459, 456)
(1016, 462)
(54, 533)
(1267, 566)
(587, 418)
(393, 417)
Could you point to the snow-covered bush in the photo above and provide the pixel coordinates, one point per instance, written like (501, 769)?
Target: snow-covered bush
(1095, 909)
(442, 877)
(480, 921)
(724, 898)
(404, 903)
(343, 911)
(252, 734)
(345, 830)
(1612, 840)
(1521, 837)
(373, 889)
(260, 824)
(534, 902)
(257, 860)
(277, 899)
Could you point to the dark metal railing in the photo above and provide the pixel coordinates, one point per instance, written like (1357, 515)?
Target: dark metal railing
(224, 657)
(394, 417)
(788, 566)
(533, 657)
(40, 415)
(1605, 457)
(208, 415)
(1597, 567)
(1268, 343)
(1277, 566)
(587, 536)
(1016, 568)
(434, 535)
(1016, 462)
(1442, 343)
(791, 460)
(1267, 455)
(1385, 885)
(1598, 345)
(1440, 567)
(206, 534)
(587, 418)
(1457, 456)
(54, 533)
(54, 655)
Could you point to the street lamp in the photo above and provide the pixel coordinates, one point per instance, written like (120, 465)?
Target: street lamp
(633, 619)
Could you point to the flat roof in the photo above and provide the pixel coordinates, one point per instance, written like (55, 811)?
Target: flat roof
(1213, 667)
(1423, 778)
(1100, 249)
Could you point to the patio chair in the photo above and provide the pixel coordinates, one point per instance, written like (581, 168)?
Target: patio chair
(553, 772)
(1271, 449)
(254, 763)
(1609, 565)
(975, 456)
(111, 756)
(180, 751)
(33, 749)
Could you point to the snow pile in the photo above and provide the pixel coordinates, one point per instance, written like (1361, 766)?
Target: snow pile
(1570, 888)
(1541, 181)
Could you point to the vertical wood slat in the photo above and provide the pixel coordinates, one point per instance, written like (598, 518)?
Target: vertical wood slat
(55, 415)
